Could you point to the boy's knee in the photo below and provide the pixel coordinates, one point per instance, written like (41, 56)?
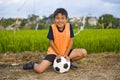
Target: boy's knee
(39, 71)
(84, 52)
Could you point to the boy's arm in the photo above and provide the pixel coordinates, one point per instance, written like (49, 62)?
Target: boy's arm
(54, 47)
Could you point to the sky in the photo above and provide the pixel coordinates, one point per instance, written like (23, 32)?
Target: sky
(75, 8)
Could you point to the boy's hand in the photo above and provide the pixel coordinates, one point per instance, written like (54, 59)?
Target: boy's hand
(58, 57)
(67, 58)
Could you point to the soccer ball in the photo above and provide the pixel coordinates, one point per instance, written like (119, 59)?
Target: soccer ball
(61, 65)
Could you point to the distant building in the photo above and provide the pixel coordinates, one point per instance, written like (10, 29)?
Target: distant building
(9, 28)
(77, 21)
(15, 25)
(92, 21)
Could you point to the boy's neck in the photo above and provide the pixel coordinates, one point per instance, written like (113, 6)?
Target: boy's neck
(61, 29)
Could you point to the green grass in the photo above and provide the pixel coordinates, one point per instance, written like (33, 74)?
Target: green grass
(96, 40)
(24, 40)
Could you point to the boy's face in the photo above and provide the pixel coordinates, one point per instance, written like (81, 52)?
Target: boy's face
(60, 20)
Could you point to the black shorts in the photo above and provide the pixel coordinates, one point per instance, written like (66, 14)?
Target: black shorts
(51, 57)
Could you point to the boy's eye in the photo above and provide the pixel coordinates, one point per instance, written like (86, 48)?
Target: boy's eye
(57, 18)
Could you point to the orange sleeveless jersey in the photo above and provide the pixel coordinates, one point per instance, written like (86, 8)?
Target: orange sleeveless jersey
(61, 39)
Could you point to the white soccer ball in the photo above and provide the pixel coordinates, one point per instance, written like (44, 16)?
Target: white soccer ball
(61, 65)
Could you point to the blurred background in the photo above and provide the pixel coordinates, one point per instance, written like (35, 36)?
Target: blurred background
(24, 24)
(37, 14)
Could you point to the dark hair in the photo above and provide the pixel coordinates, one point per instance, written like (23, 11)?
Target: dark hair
(60, 10)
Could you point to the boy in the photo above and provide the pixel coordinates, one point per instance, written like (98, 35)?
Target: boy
(60, 36)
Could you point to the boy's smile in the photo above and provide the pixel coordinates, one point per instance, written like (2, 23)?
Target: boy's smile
(60, 20)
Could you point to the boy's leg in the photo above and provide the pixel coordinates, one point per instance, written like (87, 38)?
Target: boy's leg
(78, 54)
(48, 60)
(39, 68)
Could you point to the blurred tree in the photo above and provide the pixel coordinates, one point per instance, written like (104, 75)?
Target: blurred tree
(109, 21)
(24, 21)
(33, 17)
(6, 22)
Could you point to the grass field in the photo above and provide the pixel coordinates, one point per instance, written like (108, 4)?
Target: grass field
(98, 40)
(94, 40)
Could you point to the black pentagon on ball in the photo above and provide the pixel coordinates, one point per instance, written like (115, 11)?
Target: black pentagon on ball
(57, 69)
(65, 66)
(58, 60)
